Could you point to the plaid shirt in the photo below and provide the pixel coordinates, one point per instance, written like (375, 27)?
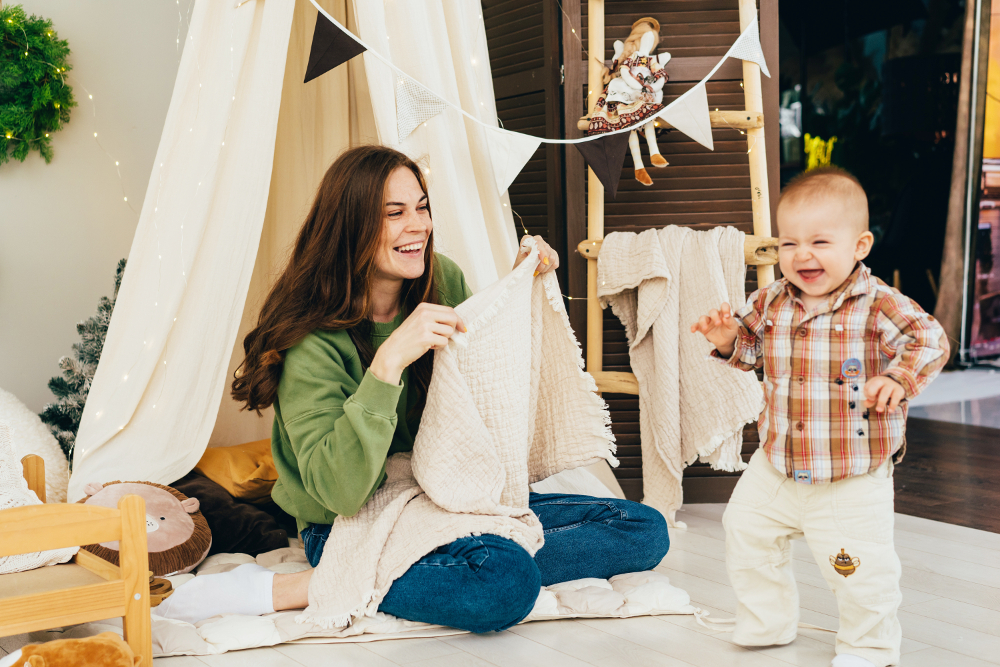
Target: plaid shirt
(814, 425)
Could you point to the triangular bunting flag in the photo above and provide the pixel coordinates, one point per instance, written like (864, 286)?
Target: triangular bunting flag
(689, 114)
(331, 47)
(414, 105)
(606, 157)
(747, 47)
(509, 151)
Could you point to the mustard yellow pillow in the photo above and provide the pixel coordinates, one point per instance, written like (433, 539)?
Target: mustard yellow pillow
(246, 471)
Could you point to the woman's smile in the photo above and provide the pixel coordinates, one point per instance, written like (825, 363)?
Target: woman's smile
(411, 250)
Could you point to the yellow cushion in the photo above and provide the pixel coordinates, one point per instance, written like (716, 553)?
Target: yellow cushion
(246, 471)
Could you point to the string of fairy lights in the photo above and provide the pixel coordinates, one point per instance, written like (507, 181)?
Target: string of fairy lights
(148, 340)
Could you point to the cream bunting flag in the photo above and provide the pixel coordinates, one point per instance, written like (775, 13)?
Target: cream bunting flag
(509, 151)
(414, 105)
(689, 114)
(747, 47)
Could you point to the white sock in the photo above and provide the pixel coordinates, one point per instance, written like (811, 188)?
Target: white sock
(245, 590)
(851, 660)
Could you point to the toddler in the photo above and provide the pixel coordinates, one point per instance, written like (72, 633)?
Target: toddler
(841, 353)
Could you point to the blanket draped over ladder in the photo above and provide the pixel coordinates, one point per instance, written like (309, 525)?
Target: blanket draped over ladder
(508, 405)
(658, 283)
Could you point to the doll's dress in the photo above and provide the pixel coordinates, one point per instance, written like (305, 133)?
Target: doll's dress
(621, 106)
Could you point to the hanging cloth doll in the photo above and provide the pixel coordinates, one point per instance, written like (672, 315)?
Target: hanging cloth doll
(634, 92)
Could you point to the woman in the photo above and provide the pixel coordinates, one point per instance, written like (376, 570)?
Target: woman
(343, 353)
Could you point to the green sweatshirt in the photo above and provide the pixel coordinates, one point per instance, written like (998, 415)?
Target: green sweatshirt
(335, 424)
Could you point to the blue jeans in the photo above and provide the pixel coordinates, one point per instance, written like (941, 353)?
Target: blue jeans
(488, 583)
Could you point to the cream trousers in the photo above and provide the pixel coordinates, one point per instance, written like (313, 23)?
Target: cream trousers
(855, 515)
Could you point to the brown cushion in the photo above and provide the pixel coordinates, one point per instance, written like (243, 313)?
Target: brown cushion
(246, 471)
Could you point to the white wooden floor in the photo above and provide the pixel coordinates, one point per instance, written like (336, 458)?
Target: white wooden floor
(950, 616)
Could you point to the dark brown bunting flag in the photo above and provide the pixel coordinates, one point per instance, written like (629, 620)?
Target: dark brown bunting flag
(606, 157)
(330, 47)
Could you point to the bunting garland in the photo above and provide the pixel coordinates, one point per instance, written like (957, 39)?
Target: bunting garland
(509, 152)
(606, 157)
(414, 105)
(605, 153)
(747, 47)
(689, 114)
(331, 46)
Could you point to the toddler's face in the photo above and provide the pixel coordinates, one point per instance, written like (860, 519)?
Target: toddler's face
(819, 243)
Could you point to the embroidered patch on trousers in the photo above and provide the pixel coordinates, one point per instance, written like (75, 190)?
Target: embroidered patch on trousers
(844, 564)
(804, 476)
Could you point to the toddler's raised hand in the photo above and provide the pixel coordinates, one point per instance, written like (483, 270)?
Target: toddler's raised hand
(720, 328)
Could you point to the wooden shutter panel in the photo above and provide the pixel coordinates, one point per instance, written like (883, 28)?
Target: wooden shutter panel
(523, 42)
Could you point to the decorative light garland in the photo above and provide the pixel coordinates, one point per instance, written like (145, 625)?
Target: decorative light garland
(35, 102)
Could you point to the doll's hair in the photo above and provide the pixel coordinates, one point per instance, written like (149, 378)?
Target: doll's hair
(652, 26)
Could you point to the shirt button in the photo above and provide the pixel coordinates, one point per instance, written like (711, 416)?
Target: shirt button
(860, 432)
(799, 426)
(803, 332)
(851, 404)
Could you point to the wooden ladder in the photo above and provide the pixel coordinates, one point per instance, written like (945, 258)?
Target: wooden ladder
(760, 249)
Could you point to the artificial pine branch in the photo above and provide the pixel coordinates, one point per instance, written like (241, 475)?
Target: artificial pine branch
(71, 390)
(34, 97)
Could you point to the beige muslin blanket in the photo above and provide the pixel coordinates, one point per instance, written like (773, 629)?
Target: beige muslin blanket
(508, 405)
(659, 283)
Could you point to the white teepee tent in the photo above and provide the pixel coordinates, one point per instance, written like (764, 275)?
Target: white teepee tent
(244, 146)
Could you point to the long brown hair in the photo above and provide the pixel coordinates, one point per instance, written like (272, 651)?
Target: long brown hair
(329, 278)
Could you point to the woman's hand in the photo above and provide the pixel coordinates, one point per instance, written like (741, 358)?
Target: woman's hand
(548, 260)
(428, 327)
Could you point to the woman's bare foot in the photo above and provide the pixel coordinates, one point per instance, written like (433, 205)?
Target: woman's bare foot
(291, 591)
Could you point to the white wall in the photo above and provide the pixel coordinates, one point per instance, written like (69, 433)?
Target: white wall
(65, 225)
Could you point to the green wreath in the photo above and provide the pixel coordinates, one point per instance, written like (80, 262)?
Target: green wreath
(34, 97)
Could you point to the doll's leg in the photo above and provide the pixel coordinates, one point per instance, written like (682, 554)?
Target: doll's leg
(640, 171)
(655, 158)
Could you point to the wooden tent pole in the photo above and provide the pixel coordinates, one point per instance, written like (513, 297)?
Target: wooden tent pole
(595, 191)
(759, 196)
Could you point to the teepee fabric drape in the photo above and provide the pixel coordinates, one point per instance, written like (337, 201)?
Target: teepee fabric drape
(243, 148)
(442, 44)
(154, 398)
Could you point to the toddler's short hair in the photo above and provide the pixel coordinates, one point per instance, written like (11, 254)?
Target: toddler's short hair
(828, 182)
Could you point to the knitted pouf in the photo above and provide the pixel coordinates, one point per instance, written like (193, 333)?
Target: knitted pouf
(31, 436)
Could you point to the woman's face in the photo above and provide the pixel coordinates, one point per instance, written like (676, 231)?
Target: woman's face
(406, 228)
